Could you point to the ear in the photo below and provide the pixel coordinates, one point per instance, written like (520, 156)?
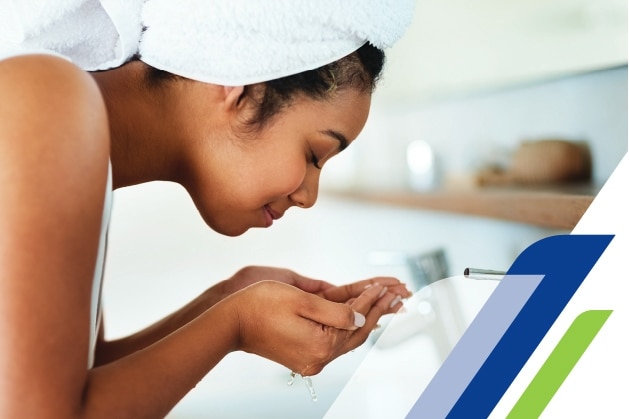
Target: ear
(232, 96)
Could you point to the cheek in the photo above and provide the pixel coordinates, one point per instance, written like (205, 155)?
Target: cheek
(277, 171)
(283, 176)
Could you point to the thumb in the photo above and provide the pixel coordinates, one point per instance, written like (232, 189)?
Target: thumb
(328, 313)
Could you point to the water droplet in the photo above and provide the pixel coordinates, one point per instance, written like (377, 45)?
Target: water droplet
(311, 389)
(307, 381)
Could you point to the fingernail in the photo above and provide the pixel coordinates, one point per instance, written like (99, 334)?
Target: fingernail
(396, 300)
(359, 319)
(384, 291)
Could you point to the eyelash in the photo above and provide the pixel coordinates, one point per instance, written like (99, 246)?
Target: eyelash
(314, 160)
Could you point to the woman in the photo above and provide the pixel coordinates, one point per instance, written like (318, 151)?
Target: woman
(246, 150)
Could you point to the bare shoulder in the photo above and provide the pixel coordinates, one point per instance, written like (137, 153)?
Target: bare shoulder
(53, 120)
(54, 134)
(40, 89)
(53, 129)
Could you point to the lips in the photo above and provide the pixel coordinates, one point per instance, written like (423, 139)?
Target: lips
(271, 215)
(274, 214)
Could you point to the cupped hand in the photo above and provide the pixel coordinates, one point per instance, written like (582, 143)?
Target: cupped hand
(301, 330)
(341, 294)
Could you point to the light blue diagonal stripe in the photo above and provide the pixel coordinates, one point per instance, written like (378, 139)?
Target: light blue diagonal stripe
(474, 347)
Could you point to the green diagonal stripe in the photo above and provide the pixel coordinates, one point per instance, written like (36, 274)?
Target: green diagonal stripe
(559, 364)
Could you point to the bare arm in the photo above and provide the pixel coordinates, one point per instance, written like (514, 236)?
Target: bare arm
(111, 350)
(53, 168)
(107, 351)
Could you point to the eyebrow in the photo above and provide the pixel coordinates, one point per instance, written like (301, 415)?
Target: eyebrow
(343, 143)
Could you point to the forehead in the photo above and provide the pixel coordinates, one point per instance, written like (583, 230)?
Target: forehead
(345, 111)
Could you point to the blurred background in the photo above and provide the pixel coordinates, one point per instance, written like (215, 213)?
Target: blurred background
(495, 125)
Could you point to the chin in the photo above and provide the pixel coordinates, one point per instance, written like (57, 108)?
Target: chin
(225, 230)
(230, 232)
(235, 234)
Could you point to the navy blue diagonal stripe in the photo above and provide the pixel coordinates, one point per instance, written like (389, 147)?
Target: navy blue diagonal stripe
(564, 261)
(471, 351)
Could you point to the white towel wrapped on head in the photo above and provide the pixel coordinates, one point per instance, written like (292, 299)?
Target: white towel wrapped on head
(94, 34)
(240, 42)
(227, 42)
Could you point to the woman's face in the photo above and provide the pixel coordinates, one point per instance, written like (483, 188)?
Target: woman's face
(244, 181)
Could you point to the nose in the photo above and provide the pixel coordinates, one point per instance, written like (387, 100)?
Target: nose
(306, 194)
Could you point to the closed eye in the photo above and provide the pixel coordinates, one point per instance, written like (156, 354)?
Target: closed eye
(335, 135)
(314, 160)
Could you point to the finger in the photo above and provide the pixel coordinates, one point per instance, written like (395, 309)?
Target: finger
(401, 290)
(353, 290)
(313, 286)
(338, 315)
(381, 307)
(395, 305)
(368, 298)
(389, 303)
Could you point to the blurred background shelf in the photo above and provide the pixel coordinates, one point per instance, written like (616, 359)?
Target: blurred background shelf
(559, 208)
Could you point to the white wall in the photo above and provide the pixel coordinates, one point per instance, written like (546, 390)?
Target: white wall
(460, 45)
